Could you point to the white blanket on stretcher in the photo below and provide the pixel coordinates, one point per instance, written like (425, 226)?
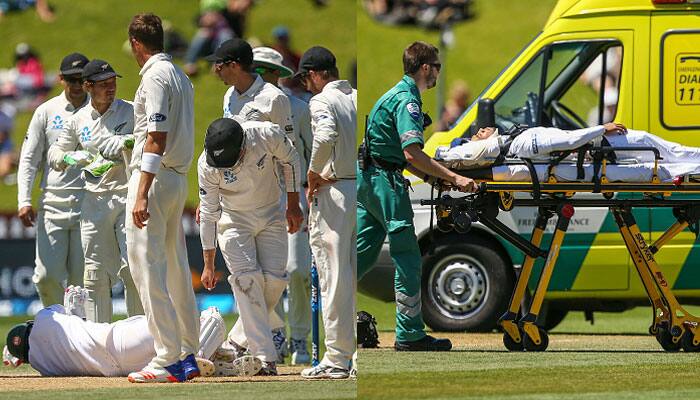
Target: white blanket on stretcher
(631, 173)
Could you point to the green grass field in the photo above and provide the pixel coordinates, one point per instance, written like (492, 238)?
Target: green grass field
(98, 29)
(613, 359)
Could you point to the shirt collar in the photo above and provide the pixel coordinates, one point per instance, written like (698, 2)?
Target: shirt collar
(68, 106)
(408, 81)
(342, 85)
(152, 60)
(258, 83)
(96, 114)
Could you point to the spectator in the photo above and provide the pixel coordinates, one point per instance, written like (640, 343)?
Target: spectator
(43, 9)
(7, 153)
(214, 29)
(283, 46)
(459, 99)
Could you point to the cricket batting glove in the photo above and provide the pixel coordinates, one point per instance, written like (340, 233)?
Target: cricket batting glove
(74, 301)
(99, 166)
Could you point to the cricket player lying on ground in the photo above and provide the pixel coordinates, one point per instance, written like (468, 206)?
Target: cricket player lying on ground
(60, 342)
(487, 146)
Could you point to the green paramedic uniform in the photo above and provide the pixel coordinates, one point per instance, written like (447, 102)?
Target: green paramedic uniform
(383, 204)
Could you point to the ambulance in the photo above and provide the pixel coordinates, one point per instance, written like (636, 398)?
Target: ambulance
(631, 61)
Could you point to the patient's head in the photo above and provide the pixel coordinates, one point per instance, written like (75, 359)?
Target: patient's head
(483, 133)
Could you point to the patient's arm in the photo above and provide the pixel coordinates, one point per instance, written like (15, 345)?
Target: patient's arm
(421, 163)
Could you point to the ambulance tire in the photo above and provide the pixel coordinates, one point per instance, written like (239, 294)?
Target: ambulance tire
(466, 285)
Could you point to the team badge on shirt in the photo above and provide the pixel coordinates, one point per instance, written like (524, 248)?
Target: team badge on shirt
(414, 110)
(202, 192)
(85, 134)
(261, 162)
(157, 117)
(229, 176)
(119, 127)
(57, 122)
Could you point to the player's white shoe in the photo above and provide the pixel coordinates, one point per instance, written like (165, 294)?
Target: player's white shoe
(151, 375)
(242, 366)
(353, 367)
(325, 372)
(228, 352)
(206, 367)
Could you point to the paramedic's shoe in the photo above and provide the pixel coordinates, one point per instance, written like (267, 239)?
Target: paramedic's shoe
(190, 367)
(149, 374)
(325, 372)
(428, 343)
(242, 366)
(300, 355)
(228, 352)
(280, 341)
(269, 368)
(206, 367)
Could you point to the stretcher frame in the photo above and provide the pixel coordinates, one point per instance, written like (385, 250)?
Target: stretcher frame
(673, 326)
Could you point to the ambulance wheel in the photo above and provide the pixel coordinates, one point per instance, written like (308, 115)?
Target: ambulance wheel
(665, 339)
(687, 342)
(511, 344)
(532, 346)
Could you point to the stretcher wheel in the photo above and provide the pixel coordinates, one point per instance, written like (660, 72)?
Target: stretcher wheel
(665, 339)
(532, 346)
(511, 344)
(687, 342)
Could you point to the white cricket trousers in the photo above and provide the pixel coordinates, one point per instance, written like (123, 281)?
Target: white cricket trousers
(299, 287)
(254, 246)
(104, 246)
(333, 235)
(160, 269)
(59, 253)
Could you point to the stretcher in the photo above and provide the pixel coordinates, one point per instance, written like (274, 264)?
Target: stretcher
(673, 326)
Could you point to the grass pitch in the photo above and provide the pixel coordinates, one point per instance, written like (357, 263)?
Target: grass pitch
(613, 359)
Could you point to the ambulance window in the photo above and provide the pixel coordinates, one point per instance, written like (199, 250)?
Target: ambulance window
(593, 96)
(561, 86)
(680, 80)
(510, 105)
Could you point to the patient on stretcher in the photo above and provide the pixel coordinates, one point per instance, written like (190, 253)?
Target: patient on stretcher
(489, 149)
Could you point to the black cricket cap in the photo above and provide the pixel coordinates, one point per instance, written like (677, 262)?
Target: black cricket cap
(98, 70)
(235, 49)
(18, 341)
(73, 64)
(316, 58)
(223, 143)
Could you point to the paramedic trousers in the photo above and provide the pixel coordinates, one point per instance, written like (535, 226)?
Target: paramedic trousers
(384, 208)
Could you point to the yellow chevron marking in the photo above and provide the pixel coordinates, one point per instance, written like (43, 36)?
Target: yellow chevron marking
(605, 266)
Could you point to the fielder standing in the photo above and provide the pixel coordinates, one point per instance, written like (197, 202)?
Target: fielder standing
(239, 196)
(59, 255)
(252, 99)
(333, 199)
(163, 152)
(104, 129)
(268, 64)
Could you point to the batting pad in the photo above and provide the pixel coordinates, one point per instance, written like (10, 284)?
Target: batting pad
(212, 332)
